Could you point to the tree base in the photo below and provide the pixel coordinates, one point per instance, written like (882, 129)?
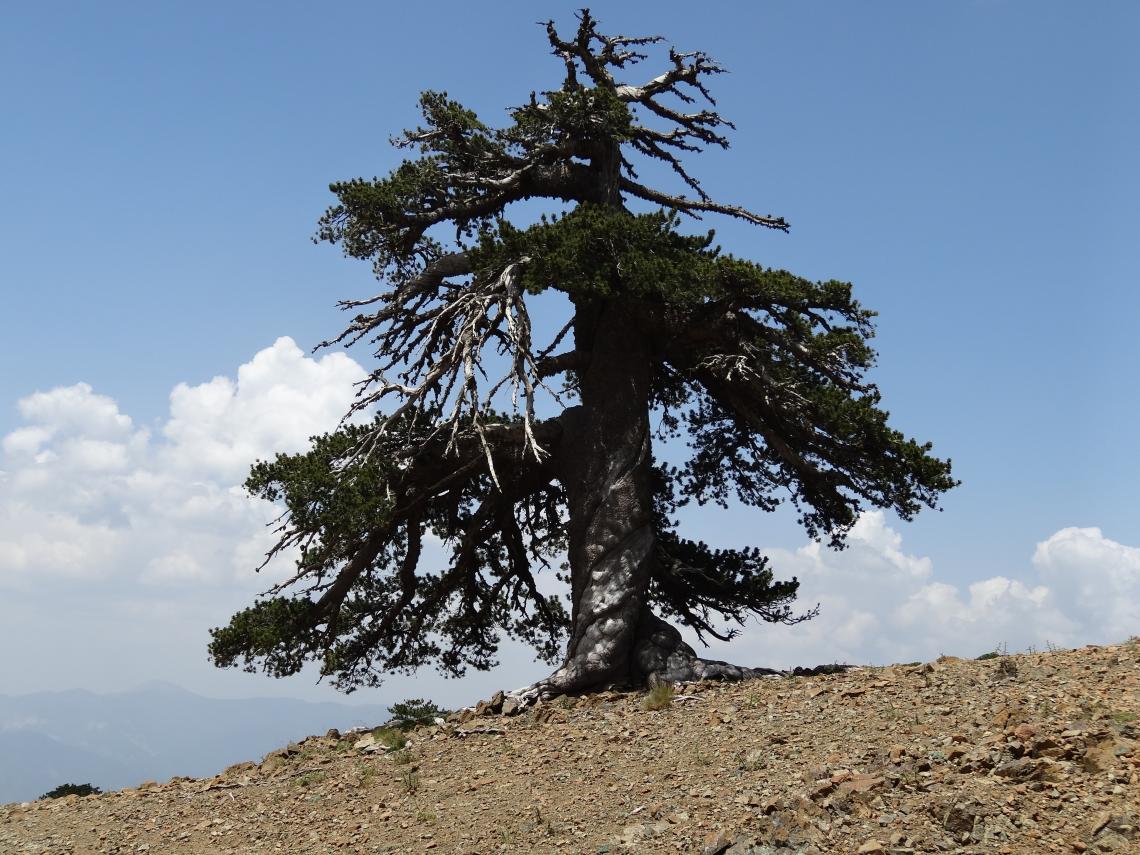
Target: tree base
(662, 656)
(659, 656)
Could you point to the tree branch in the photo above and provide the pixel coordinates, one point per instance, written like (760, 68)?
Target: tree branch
(692, 206)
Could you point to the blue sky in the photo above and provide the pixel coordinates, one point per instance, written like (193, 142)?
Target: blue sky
(970, 167)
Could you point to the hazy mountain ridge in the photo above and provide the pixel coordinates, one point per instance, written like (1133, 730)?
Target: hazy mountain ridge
(153, 732)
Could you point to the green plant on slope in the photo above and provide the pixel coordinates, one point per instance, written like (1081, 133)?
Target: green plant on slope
(71, 790)
(659, 697)
(413, 712)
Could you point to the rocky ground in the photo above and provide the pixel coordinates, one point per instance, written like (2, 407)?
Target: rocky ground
(1031, 753)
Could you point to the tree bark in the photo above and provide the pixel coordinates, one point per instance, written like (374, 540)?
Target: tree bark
(606, 459)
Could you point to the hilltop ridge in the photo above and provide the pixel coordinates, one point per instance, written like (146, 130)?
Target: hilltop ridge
(1029, 753)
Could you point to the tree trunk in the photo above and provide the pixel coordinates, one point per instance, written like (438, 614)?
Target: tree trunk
(615, 639)
(607, 458)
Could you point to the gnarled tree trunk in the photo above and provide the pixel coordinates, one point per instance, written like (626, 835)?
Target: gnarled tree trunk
(606, 455)
(606, 458)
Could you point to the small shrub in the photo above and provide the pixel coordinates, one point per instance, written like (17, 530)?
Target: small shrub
(367, 774)
(411, 781)
(402, 757)
(659, 697)
(541, 822)
(391, 738)
(71, 790)
(752, 761)
(998, 652)
(1007, 668)
(414, 712)
(310, 778)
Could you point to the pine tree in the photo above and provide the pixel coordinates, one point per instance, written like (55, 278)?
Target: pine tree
(763, 371)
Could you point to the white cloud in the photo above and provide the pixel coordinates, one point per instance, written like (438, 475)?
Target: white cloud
(178, 566)
(36, 541)
(280, 398)
(880, 604)
(1098, 578)
(25, 441)
(75, 410)
(87, 493)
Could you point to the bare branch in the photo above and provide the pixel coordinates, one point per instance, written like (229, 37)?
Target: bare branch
(571, 360)
(692, 206)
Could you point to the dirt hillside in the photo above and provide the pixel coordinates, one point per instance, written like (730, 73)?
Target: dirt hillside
(1030, 753)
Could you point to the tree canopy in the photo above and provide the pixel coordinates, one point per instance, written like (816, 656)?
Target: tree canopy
(523, 456)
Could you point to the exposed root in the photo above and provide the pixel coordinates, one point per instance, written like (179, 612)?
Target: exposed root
(660, 655)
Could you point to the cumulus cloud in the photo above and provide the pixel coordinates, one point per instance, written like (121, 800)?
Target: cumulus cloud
(88, 493)
(279, 399)
(1099, 578)
(880, 604)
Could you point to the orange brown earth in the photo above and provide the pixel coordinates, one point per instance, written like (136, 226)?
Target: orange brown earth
(1028, 753)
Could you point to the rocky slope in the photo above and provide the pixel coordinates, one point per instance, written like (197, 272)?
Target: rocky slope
(1027, 754)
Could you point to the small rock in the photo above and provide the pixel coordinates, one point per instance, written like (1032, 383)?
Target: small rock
(1024, 732)
(820, 789)
(1021, 769)
(547, 713)
(871, 846)
(715, 843)
(1099, 822)
(860, 784)
(961, 817)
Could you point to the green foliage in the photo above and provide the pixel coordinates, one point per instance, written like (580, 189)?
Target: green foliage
(998, 652)
(309, 779)
(413, 712)
(579, 116)
(339, 506)
(597, 251)
(659, 697)
(402, 757)
(71, 790)
(392, 738)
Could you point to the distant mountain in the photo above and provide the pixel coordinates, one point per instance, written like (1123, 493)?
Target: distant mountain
(150, 733)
